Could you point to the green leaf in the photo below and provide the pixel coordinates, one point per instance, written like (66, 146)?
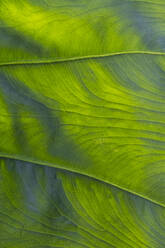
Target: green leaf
(82, 124)
(99, 117)
(45, 207)
(55, 29)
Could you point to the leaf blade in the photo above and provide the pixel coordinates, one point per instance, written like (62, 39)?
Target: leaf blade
(97, 120)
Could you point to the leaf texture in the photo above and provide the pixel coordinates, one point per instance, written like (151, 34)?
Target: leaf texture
(82, 124)
(45, 207)
(49, 29)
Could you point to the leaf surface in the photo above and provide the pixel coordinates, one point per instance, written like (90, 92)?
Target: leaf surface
(33, 29)
(45, 207)
(99, 117)
(82, 124)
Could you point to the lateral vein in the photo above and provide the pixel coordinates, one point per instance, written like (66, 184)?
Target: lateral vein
(69, 59)
(80, 173)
